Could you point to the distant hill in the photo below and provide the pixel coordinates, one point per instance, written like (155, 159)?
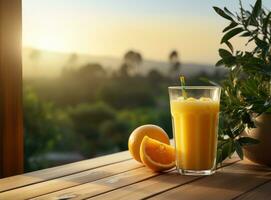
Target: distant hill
(40, 63)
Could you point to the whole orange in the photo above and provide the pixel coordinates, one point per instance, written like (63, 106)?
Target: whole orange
(136, 137)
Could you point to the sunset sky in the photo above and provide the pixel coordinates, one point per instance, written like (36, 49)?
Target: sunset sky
(111, 27)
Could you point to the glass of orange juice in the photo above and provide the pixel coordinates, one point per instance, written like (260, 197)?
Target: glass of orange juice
(195, 115)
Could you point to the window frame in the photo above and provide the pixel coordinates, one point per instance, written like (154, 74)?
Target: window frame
(11, 109)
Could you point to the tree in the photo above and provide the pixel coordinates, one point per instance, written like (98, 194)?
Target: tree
(41, 130)
(118, 132)
(91, 70)
(175, 64)
(127, 93)
(87, 121)
(131, 63)
(154, 76)
(71, 62)
(34, 56)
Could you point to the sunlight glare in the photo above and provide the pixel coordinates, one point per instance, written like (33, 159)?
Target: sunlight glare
(48, 42)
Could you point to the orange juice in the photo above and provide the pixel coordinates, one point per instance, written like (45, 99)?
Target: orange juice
(195, 123)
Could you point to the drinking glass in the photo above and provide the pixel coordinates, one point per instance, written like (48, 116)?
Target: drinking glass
(195, 115)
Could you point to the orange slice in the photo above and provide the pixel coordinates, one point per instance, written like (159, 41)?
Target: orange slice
(139, 133)
(156, 155)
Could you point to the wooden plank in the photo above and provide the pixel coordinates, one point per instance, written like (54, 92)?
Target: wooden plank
(64, 170)
(111, 183)
(11, 123)
(153, 186)
(60, 171)
(146, 187)
(97, 187)
(70, 181)
(261, 192)
(56, 172)
(229, 183)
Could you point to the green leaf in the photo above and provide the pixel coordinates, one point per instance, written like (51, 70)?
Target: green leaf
(231, 34)
(246, 118)
(250, 40)
(230, 149)
(227, 11)
(247, 141)
(227, 59)
(246, 34)
(222, 13)
(218, 156)
(256, 9)
(225, 149)
(266, 21)
(224, 53)
(206, 80)
(239, 150)
(238, 129)
(219, 63)
(231, 26)
(229, 45)
(262, 44)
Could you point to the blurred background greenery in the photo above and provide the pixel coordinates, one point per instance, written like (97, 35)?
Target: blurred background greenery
(88, 111)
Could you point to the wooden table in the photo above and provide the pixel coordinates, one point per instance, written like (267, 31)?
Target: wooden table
(117, 176)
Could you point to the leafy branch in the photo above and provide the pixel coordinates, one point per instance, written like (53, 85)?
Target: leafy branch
(246, 91)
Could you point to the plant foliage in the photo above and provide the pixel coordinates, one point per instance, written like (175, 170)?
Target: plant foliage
(246, 91)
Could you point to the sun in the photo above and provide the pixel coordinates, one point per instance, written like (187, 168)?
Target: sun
(49, 42)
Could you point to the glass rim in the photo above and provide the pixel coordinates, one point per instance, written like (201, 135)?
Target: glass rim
(194, 87)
